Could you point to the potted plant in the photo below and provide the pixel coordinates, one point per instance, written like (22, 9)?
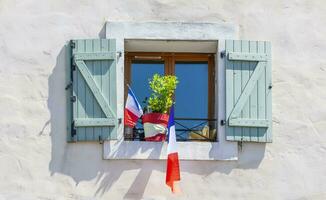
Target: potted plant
(155, 121)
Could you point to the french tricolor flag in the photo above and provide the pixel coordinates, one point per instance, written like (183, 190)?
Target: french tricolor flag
(172, 167)
(133, 110)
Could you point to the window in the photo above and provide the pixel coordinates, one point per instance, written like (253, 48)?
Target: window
(194, 96)
(243, 87)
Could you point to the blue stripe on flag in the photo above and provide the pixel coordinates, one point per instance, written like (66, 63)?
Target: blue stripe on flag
(134, 97)
(171, 122)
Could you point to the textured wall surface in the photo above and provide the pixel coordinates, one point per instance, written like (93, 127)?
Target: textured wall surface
(37, 163)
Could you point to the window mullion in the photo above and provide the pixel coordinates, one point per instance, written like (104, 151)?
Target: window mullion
(166, 64)
(172, 65)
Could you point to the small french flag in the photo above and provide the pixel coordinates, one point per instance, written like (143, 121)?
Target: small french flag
(133, 110)
(172, 167)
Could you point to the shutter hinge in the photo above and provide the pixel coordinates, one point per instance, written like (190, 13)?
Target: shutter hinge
(72, 44)
(73, 98)
(223, 53)
(73, 65)
(240, 145)
(119, 54)
(69, 85)
(223, 122)
(100, 139)
(73, 131)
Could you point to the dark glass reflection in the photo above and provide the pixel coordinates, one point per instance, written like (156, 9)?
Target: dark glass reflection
(191, 96)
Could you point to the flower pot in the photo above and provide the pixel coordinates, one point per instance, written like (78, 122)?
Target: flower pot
(155, 126)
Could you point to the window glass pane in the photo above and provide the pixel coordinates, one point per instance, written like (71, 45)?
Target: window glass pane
(141, 72)
(191, 98)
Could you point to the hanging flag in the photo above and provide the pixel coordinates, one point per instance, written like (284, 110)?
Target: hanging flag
(133, 110)
(172, 167)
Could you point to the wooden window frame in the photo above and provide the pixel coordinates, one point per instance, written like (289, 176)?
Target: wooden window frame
(169, 60)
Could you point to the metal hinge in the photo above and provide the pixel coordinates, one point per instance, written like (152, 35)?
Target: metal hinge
(73, 131)
(72, 44)
(119, 54)
(73, 65)
(223, 54)
(223, 122)
(73, 98)
(100, 139)
(68, 85)
(240, 145)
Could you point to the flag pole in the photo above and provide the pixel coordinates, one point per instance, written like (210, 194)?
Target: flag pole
(131, 90)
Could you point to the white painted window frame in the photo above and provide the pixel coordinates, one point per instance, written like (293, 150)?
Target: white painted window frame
(121, 31)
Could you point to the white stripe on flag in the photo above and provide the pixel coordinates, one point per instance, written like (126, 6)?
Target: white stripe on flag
(132, 106)
(172, 145)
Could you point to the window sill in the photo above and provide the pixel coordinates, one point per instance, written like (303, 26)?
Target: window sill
(123, 150)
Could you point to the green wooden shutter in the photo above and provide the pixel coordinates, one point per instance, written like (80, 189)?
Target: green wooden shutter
(248, 91)
(93, 95)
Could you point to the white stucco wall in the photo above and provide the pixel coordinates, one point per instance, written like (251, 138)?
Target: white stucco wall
(37, 163)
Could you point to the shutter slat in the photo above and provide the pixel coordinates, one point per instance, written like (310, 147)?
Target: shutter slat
(253, 97)
(96, 71)
(89, 99)
(248, 97)
(237, 85)
(106, 65)
(245, 75)
(229, 87)
(69, 91)
(269, 91)
(261, 95)
(104, 79)
(113, 92)
(81, 94)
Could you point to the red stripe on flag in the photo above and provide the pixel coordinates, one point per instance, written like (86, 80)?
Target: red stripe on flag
(172, 170)
(130, 118)
(156, 138)
(156, 118)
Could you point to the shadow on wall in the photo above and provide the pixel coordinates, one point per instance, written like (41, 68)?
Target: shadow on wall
(83, 161)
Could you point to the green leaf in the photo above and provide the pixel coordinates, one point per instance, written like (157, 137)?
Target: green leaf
(163, 88)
